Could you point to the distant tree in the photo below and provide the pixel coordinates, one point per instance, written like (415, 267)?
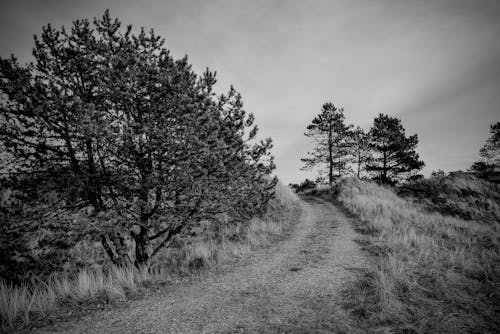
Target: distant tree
(415, 177)
(319, 180)
(394, 154)
(490, 152)
(108, 119)
(438, 174)
(360, 149)
(305, 185)
(331, 138)
(481, 167)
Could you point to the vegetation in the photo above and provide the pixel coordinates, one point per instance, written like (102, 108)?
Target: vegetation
(361, 149)
(490, 152)
(112, 140)
(35, 300)
(122, 168)
(433, 273)
(459, 194)
(393, 153)
(332, 142)
(305, 185)
(384, 152)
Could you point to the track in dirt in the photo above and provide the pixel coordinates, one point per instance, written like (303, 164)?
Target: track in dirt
(292, 287)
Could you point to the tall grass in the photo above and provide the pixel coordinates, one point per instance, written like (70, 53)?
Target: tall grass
(20, 304)
(434, 273)
(460, 194)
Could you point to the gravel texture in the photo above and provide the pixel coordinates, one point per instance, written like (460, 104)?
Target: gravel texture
(294, 286)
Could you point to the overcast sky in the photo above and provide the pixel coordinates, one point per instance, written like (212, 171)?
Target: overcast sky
(434, 64)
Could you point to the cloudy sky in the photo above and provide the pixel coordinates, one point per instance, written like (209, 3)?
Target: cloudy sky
(435, 64)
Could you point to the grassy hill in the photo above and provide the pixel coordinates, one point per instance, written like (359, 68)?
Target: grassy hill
(434, 272)
(460, 194)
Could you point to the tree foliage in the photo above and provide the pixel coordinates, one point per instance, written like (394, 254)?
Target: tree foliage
(360, 149)
(394, 154)
(111, 122)
(490, 152)
(332, 142)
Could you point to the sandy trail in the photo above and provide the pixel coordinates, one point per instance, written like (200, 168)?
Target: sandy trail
(291, 287)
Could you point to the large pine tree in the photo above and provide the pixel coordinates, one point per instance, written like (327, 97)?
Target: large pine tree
(394, 154)
(108, 119)
(331, 137)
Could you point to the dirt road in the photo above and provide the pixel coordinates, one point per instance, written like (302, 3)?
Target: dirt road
(291, 287)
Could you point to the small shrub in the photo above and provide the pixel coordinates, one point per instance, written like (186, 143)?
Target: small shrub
(304, 186)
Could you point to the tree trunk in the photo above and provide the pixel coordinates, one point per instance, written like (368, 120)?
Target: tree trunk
(116, 248)
(94, 192)
(330, 156)
(384, 171)
(340, 167)
(359, 162)
(142, 255)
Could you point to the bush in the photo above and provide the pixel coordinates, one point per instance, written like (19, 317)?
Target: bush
(304, 186)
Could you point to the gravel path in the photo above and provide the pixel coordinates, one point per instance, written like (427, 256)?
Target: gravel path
(291, 287)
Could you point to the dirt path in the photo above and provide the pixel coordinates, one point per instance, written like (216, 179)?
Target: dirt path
(292, 287)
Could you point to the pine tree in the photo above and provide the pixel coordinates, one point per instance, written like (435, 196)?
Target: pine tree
(360, 149)
(331, 137)
(110, 120)
(394, 154)
(490, 152)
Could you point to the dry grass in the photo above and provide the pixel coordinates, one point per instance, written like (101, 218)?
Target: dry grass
(460, 194)
(22, 303)
(435, 273)
(236, 240)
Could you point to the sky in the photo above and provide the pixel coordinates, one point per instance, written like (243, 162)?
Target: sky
(434, 64)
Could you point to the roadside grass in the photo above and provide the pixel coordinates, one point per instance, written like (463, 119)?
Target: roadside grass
(434, 273)
(21, 304)
(24, 302)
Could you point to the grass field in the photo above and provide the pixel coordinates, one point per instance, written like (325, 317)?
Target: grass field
(21, 304)
(433, 273)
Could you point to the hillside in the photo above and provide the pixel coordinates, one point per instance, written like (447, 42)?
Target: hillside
(461, 194)
(434, 272)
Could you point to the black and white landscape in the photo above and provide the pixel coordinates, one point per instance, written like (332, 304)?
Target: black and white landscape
(250, 166)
